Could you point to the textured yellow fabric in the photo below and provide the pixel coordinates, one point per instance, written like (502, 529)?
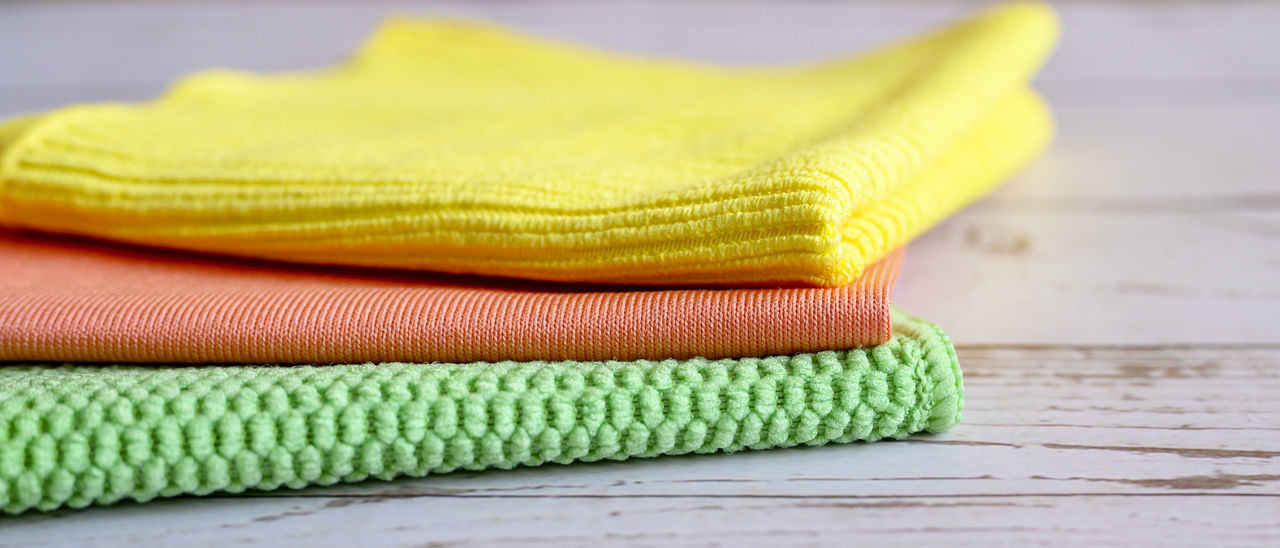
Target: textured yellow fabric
(467, 148)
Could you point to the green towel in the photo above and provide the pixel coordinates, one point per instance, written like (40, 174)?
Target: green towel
(75, 435)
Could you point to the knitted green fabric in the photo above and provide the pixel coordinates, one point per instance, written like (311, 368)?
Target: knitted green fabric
(75, 435)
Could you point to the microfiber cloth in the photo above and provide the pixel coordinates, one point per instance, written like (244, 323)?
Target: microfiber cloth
(77, 435)
(69, 299)
(468, 148)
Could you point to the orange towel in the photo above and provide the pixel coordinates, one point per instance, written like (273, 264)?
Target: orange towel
(64, 299)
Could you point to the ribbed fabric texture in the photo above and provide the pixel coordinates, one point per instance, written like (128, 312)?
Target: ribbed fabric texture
(66, 299)
(465, 148)
(79, 435)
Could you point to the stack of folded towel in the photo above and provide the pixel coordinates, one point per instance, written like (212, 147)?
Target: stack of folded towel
(466, 248)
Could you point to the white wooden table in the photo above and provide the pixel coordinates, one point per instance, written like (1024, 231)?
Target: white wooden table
(1116, 307)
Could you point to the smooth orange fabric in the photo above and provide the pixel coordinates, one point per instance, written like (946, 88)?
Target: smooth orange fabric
(65, 299)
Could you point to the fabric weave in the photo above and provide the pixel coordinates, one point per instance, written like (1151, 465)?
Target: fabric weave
(77, 435)
(466, 148)
(66, 299)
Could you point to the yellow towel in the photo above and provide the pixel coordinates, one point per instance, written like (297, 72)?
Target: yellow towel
(462, 147)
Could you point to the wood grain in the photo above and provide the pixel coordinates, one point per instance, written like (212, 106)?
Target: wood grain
(1065, 444)
(1116, 307)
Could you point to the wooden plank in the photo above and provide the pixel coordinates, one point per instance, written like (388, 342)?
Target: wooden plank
(1152, 159)
(1004, 274)
(1066, 445)
(1154, 42)
(449, 521)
